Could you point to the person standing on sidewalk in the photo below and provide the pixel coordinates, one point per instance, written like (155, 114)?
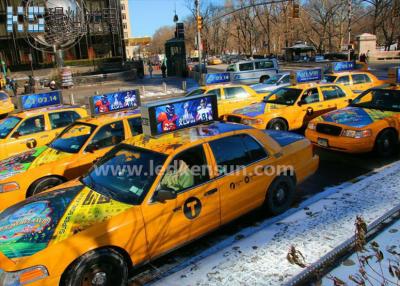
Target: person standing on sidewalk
(164, 70)
(150, 69)
(14, 86)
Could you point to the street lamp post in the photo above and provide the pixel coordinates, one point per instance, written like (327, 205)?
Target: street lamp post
(349, 48)
(199, 45)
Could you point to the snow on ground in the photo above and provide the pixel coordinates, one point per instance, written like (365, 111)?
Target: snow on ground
(389, 243)
(260, 257)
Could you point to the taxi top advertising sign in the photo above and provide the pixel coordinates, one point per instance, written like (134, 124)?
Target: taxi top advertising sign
(342, 66)
(303, 76)
(167, 116)
(115, 101)
(39, 100)
(394, 75)
(213, 78)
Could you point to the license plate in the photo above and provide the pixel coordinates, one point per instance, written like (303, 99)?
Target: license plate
(323, 142)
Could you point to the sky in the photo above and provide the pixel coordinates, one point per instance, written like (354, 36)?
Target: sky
(149, 15)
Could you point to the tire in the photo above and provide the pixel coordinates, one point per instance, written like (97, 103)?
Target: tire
(264, 77)
(2, 116)
(386, 143)
(42, 185)
(278, 124)
(280, 195)
(103, 267)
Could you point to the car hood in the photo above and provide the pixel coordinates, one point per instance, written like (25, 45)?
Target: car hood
(258, 108)
(33, 158)
(266, 87)
(37, 222)
(355, 116)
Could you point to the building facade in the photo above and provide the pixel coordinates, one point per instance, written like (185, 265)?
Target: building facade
(104, 37)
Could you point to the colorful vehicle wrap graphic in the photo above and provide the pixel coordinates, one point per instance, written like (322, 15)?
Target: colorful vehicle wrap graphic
(114, 101)
(19, 163)
(355, 116)
(42, 220)
(257, 109)
(284, 138)
(28, 226)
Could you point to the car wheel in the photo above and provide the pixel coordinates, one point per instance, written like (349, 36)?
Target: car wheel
(263, 78)
(277, 124)
(386, 143)
(2, 116)
(280, 195)
(43, 185)
(104, 267)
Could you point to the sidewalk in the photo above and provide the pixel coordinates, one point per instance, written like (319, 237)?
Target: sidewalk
(315, 228)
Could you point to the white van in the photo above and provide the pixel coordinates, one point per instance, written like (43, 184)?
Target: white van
(248, 72)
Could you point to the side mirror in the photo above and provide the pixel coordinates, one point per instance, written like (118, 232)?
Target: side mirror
(91, 148)
(164, 195)
(15, 135)
(350, 100)
(300, 103)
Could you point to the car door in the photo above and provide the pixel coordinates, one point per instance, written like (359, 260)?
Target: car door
(334, 97)
(194, 211)
(310, 105)
(30, 133)
(103, 139)
(241, 161)
(345, 80)
(359, 83)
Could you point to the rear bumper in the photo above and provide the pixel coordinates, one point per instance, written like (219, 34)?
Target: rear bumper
(342, 144)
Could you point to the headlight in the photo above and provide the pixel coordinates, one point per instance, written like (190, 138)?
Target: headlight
(357, 134)
(9, 187)
(254, 121)
(23, 277)
(312, 126)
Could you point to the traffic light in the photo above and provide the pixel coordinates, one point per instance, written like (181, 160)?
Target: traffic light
(199, 23)
(296, 10)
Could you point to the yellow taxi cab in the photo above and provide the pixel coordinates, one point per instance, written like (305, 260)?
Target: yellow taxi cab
(37, 123)
(229, 96)
(292, 107)
(357, 80)
(6, 104)
(371, 122)
(148, 196)
(214, 61)
(67, 157)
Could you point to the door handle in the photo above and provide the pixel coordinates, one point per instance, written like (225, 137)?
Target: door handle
(177, 209)
(210, 192)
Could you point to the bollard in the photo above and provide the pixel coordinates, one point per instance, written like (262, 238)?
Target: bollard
(96, 92)
(71, 99)
(165, 87)
(143, 91)
(184, 87)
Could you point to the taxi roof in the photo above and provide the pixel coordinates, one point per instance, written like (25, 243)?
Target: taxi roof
(33, 112)
(348, 72)
(309, 85)
(167, 143)
(109, 117)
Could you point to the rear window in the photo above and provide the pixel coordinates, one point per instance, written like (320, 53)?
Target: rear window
(231, 68)
(360, 78)
(3, 96)
(264, 65)
(332, 92)
(330, 78)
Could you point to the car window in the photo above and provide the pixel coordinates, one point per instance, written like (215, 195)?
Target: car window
(246, 67)
(330, 78)
(380, 99)
(231, 153)
(62, 119)
(231, 68)
(7, 125)
(332, 92)
(195, 92)
(136, 125)
(108, 135)
(360, 78)
(31, 125)
(73, 138)
(216, 91)
(188, 169)
(285, 79)
(344, 80)
(3, 96)
(235, 92)
(253, 148)
(264, 65)
(310, 96)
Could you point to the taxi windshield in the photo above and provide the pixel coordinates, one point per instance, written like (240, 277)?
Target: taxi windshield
(285, 96)
(381, 99)
(125, 174)
(73, 138)
(272, 80)
(197, 91)
(7, 125)
(330, 78)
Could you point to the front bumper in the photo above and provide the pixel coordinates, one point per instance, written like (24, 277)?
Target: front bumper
(341, 143)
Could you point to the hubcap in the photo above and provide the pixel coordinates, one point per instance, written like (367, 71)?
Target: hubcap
(277, 127)
(280, 195)
(99, 279)
(386, 143)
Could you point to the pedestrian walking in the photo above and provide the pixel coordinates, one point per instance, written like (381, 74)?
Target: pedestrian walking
(150, 70)
(164, 70)
(367, 57)
(14, 86)
(32, 84)
(362, 58)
